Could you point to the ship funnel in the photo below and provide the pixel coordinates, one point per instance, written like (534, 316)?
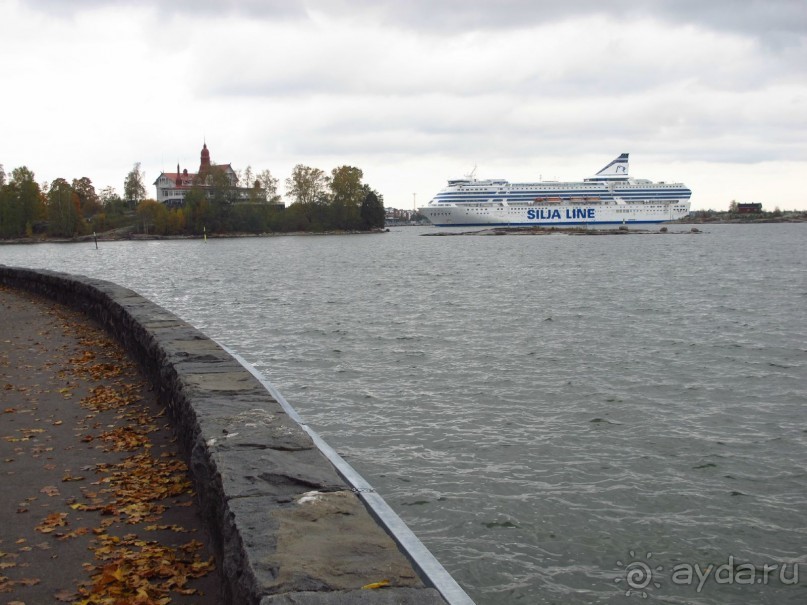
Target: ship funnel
(617, 169)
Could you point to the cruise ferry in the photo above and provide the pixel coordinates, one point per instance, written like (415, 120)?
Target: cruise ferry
(610, 197)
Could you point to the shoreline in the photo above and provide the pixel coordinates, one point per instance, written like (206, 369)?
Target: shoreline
(112, 236)
(106, 237)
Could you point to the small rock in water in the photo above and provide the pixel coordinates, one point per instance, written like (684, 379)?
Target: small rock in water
(506, 524)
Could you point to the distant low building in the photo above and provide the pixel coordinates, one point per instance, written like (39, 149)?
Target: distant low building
(172, 187)
(394, 216)
(749, 208)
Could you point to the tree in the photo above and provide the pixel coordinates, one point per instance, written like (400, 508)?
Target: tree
(134, 191)
(112, 202)
(21, 203)
(308, 188)
(176, 221)
(222, 189)
(246, 178)
(366, 189)
(372, 212)
(9, 221)
(222, 196)
(64, 217)
(268, 184)
(154, 216)
(346, 184)
(30, 197)
(197, 211)
(89, 201)
(306, 185)
(2, 176)
(346, 190)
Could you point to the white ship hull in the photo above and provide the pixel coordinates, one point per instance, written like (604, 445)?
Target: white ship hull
(449, 215)
(608, 198)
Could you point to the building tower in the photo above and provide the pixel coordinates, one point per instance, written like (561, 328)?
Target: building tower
(204, 165)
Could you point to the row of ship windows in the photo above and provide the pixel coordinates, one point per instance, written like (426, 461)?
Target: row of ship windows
(627, 196)
(520, 211)
(566, 187)
(573, 190)
(644, 205)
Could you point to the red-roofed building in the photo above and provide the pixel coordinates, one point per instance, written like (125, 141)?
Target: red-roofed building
(173, 186)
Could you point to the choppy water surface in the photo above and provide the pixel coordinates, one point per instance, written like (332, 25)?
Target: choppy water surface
(546, 413)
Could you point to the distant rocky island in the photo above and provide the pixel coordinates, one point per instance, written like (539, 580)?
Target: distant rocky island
(732, 217)
(542, 230)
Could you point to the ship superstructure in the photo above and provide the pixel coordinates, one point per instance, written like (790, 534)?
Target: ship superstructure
(609, 197)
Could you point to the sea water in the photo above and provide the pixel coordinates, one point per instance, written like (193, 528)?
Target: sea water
(560, 419)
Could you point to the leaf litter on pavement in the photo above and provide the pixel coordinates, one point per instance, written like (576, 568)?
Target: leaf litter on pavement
(135, 483)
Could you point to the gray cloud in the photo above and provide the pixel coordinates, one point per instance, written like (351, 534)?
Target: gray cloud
(778, 22)
(769, 19)
(266, 9)
(437, 85)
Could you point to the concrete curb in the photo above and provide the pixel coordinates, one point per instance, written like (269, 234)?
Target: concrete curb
(286, 528)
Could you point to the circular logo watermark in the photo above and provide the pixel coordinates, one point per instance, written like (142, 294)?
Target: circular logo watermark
(639, 575)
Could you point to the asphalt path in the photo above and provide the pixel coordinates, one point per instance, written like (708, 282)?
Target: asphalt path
(95, 500)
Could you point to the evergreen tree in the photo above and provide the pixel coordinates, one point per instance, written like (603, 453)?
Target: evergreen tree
(372, 212)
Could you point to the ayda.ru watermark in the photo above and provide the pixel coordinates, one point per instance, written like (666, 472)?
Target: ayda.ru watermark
(640, 576)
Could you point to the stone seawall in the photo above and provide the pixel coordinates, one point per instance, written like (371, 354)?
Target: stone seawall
(286, 528)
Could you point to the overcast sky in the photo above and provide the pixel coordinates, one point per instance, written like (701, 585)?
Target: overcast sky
(712, 93)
